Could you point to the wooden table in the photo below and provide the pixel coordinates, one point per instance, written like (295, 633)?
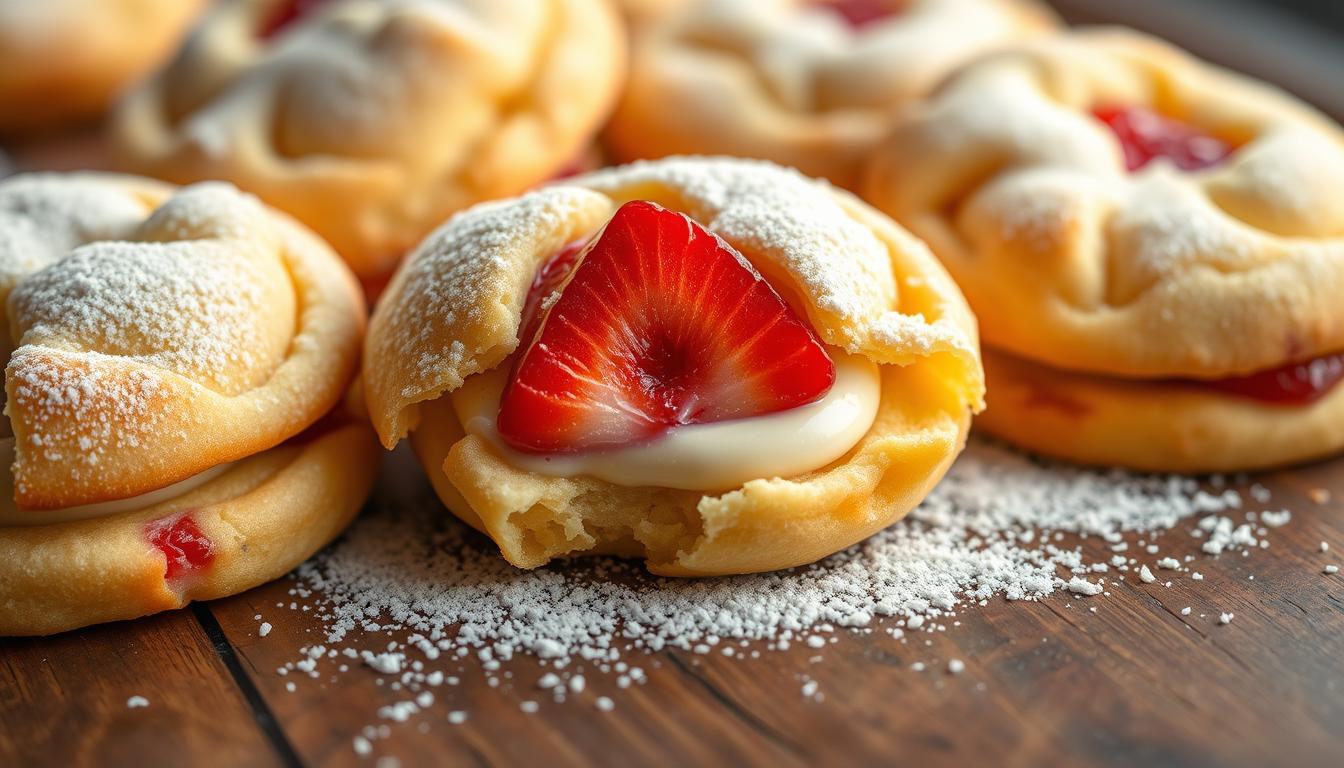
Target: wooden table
(1045, 683)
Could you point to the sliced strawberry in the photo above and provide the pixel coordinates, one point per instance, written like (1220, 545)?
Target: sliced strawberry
(660, 324)
(285, 12)
(860, 13)
(1146, 135)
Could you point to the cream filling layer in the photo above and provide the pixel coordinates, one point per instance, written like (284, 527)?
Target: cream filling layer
(11, 515)
(702, 457)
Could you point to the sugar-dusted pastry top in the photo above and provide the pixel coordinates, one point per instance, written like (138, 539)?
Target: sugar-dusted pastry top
(1072, 260)
(68, 59)
(155, 333)
(372, 120)
(455, 307)
(794, 81)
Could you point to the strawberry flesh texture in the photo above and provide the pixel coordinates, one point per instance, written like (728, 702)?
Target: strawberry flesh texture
(1293, 384)
(660, 324)
(285, 13)
(1146, 135)
(861, 13)
(184, 547)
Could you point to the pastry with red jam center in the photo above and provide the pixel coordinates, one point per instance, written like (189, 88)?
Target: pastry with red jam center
(1155, 249)
(808, 83)
(178, 420)
(717, 366)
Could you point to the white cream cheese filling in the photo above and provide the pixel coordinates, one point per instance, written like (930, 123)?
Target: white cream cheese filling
(702, 457)
(11, 515)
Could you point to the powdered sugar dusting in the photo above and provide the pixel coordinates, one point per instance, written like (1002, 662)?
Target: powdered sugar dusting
(43, 217)
(460, 275)
(1000, 525)
(191, 308)
(78, 407)
(777, 214)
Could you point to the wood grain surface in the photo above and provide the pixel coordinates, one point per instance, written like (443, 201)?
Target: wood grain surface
(1046, 683)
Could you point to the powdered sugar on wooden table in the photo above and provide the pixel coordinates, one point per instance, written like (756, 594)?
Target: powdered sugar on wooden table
(418, 597)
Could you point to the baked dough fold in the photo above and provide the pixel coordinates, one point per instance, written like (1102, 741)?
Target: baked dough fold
(1071, 261)
(372, 120)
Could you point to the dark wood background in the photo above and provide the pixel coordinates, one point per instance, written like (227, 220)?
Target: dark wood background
(1046, 683)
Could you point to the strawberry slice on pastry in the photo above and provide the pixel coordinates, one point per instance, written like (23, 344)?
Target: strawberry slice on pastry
(658, 324)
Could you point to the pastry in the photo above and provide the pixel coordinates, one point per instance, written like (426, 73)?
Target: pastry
(717, 365)
(177, 425)
(67, 60)
(372, 120)
(807, 84)
(1154, 247)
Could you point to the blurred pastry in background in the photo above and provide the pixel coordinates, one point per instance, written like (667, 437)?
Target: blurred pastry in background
(64, 61)
(1154, 247)
(177, 423)
(808, 84)
(373, 120)
(641, 12)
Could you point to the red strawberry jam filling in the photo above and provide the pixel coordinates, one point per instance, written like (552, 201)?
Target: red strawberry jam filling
(861, 13)
(658, 324)
(1293, 384)
(284, 13)
(184, 547)
(1146, 136)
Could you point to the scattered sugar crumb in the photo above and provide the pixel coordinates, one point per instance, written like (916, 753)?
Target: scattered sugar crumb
(1145, 575)
(1331, 569)
(1226, 618)
(605, 704)
(137, 702)
(1185, 611)
(956, 666)
(264, 629)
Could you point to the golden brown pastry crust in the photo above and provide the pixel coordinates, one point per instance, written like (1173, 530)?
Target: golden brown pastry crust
(67, 60)
(1072, 262)
(454, 309)
(1151, 425)
(263, 516)
(372, 120)
(185, 329)
(779, 80)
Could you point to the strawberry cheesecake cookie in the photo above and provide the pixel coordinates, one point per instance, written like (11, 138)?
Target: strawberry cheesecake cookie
(719, 366)
(807, 83)
(372, 120)
(1154, 247)
(67, 60)
(177, 425)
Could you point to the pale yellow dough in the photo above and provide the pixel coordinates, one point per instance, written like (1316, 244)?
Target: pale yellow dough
(372, 120)
(264, 516)
(788, 81)
(153, 334)
(454, 308)
(68, 60)
(1071, 261)
(1109, 283)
